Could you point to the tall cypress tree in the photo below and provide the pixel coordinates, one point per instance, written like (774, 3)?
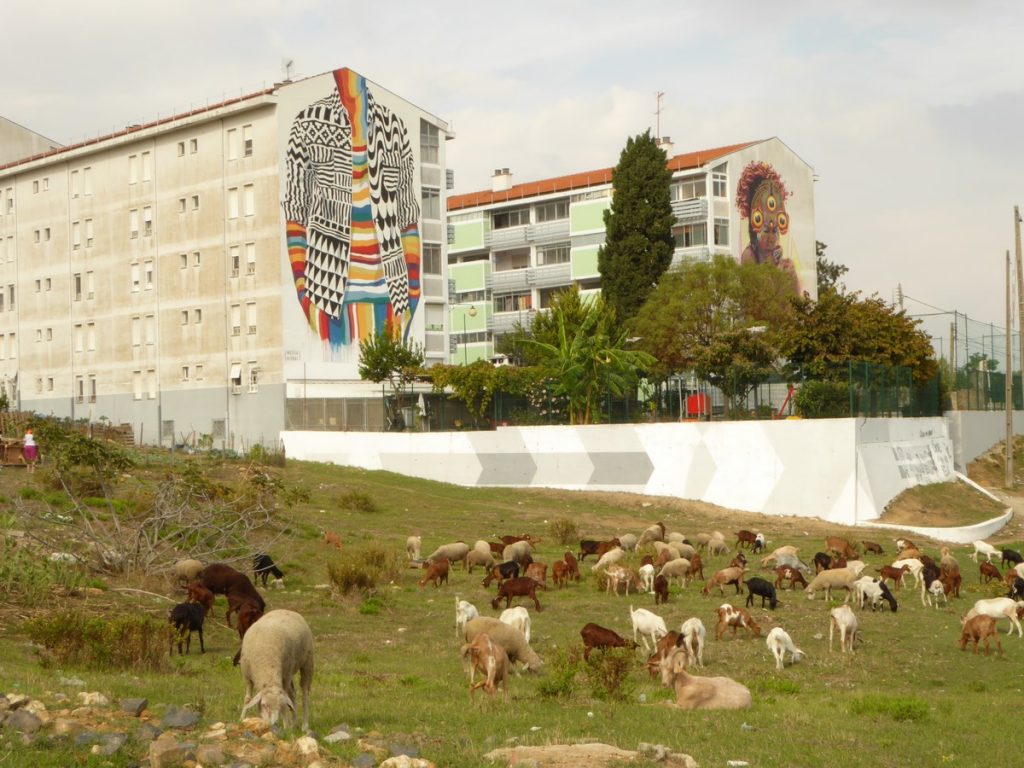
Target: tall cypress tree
(638, 227)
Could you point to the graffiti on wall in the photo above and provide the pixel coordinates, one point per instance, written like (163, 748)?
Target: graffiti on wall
(352, 214)
(761, 199)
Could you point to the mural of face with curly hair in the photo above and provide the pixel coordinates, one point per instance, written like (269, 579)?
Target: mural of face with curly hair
(768, 221)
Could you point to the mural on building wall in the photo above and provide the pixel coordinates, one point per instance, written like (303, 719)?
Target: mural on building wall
(352, 214)
(761, 199)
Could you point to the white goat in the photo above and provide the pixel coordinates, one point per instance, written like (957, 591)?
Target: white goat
(780, 643)
(1019, 568)
(999, 608)
(273, 650)
(464, 612)
(694, 692)
(412, 547)
(647, 623)
(647, 577)
(519, 618)
(935, 592)
(914, 565)
(983, 548)
(693, 633)
(844, 620)
(868, 591)
(857, 566)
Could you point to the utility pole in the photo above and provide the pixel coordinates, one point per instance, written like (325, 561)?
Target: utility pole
(1008, 453)
(657, 112)
(899, 294)
(1020, 297)
(952, 360)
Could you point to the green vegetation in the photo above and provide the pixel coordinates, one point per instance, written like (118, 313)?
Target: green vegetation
(93, 642)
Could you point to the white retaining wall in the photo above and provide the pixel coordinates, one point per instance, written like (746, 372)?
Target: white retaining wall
(974, 432)
(841, 470)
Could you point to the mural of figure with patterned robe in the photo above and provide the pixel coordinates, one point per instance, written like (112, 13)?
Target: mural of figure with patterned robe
(761, 199)
(352, 215)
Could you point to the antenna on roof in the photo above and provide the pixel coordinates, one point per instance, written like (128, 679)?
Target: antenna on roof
(657, 112)
(287, 65)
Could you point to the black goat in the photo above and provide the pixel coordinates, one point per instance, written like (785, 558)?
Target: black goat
(888, 596)
(263, 566)
(763, 589)
(1017, 589)
(1012, 556)
(187, 618)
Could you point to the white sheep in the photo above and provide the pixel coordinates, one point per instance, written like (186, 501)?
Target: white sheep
(412, 547)
(482, 545)
(661, 547)
(519, 618)
(844, 620)
(675, 537)
(187, 571)
(647, 624)
(475, 558)
(916, 568)
(694, 633)
(999, 608)
(464, 612)
(654, 532)
(454, 552)
(647, 577)
(935, 592)
(508, 637)
(628, 541)
(273, 650)
(684, 550)
(693, 692)
(984, 548)
(835, 578)
(611, 557)
(678, 568)
(516, 551)
(780, 643)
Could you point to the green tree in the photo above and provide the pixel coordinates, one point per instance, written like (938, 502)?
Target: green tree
(638, 238)
(829, 273)
(385, 357)
(588, 359)
(476, 384)
(721, 319)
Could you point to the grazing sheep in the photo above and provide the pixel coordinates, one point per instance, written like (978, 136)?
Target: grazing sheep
(263, 566)
(837, 578)
(679, 568)
(694, 634)
(596, 636)
(647, 624)
(488, 657)
(455, 552)
(979, 628)
(628, 542)
(509, 638)
(844, 620)
(464, 612)
(611, 557)
(1000, 608)
(412, 547)
(788, 550)
(793, 562)
(273, 650)
(186, 571)
(780, 643)
(730, 616)
(654, 532)
(677, 538)
(518, 552)
(693, 692)
(476, 558)
(481, 545)
(186, 618)
(983, 548)
(718, 547)
(519, 618)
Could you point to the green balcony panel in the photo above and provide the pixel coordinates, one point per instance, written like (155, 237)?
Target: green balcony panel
(584, 262)
(588, 216)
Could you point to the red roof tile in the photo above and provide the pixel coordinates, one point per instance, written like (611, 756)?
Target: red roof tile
(582, 180)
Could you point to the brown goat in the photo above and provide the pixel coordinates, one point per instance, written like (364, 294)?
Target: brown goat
(593, 547)
(989, 572)
(731, 575)
(488, 657)
(745, 538)
(595, 636)
(574, 566)
(222, 579)
(333, 539)
(660, 589)
(197, 593)
(524, 537)
(979, 628)
(730, 616)
(896, 574)
(874, 548)
(841, 547)
(559, 573)
(538, 572)
(794, 575)
(248, 614)
(521, 586)
(436, 573)
(664, 646)
(501, 571)
(696, 566)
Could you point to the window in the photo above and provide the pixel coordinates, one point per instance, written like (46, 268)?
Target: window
(79, 389)
(87, 180)
(197, 316)
(137, 384)
(553, 254)
(46, 234)
(234, 255)
(236, 319)
(36, 235)
(182, 205)
(247, 140)
(47, 284)
(249, 199)
(431, 203)
(719, 181)
(92, 388)
(136, 277)
(147, 221)
(13, 339)
(151, 378)
(516, 217)
(147, 166)
(150, 325)
(90, 285)
(235, 376)
(133, 223)
(232, 141)
(49, 334)
(75, 184)
(184, 373)
(10, 297)
(692, 234)
(689, 189)
(431, 259)
(76, 285)
(233, 203)
(250, 317)
(250, 258)
(39, 335)
(89, 239)
(199, 371)
(136, 331)
(516, 302)
(39, 285)
(254, 377)
(430, 142)
(90, 337)
(195, 202)
(196, 259)
(181, 149)
(148, 270)
(35, 187)
(193, 146)
(721, 231)
(46, 183)
(79, 337)
(10, 200)
(183, 261)
(553, 211)
(133, 169)
(434, 317)
(184, 317)
(49, 383)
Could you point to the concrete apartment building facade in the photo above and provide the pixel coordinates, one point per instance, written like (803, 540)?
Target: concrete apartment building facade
(513, 246)
(200, 277)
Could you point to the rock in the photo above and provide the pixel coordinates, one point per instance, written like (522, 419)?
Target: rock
(405, 761)
(179, 717)
(134, 706)
(93, 699)
(210, 754)
(307, 746)
(409, 750)
(110, 744)
(255, 724)
(81, 712)
(147, 732)
(376, 747)
(216, 734)
(72, 682)
(256, 754)
(16, 700)
(65, 726)
(364, 760)
(338, 733)
(23, 721)
(573, 755)
(168, 752)
(655, 752)
(85, 738)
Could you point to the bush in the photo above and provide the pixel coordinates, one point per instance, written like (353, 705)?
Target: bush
(823, 400)
(564, 531)
(363, 569)
(560, 680)
(29, 580)
(130, 642)
(609, 674)
(357, 501)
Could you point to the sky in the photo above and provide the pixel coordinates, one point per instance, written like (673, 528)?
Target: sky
(909, 112)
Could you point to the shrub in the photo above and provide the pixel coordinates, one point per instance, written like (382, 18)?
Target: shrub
(357, 501)
(560, 680)
(899, 708)
(823, 399)
(27, 579)
(363, 568)
(564, 531)
(128, 642)
(609, 674)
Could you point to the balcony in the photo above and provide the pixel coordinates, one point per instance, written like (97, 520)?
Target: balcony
(506, 238)
(688, 211)
(691, 254)
(508, 280)
(505, 322)
(541, 234)
(551, 276)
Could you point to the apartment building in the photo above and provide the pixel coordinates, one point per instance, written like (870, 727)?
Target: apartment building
(199, 276)
(512, 247)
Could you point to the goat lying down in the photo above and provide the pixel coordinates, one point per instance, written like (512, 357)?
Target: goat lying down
(693, 692)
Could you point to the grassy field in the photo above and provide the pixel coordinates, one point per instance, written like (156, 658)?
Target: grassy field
(907, 696)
